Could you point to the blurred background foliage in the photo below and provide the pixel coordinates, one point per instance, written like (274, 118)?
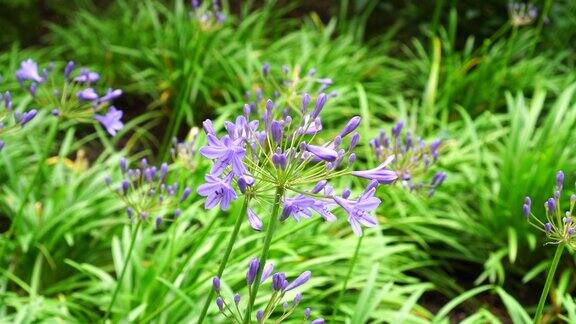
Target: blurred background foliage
(500, 96)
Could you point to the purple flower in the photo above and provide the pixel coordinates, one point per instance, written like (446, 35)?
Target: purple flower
(87, 95)
(297, 207)
(526, 210)
(68, 69)
(28, 71)
(551, 206)
(237, 298)
(280, 160)
(548, 228)
(359, 210)
(267, 272)
(226, 152)
(217, 191)
(318, 321)
(254, 220)
(111, 121)
(259, 315)
(351, 126)
(220, 303)
(111, 95)
(265, 69)
(320, 102)
(381, 173)
(297, 299)
(559, 180)
(322, 152)
(253, 267)
(302, 279)
(8, 100)
(216, 284)
(87, 76)
(27, 117)
(279, 281)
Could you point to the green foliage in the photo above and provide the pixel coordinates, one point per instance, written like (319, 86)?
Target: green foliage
(501, 99)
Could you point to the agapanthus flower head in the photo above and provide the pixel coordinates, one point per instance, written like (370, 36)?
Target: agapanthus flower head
(11, 121)
(522, 14)
(71, 94)
(282, 296)
(556, 222)
(145, 191)
(406, 159)
(277, 145)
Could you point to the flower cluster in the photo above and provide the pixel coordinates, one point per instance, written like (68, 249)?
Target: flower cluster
(71, 94)
(559, 225)
(12, 121)
(207, 16)
(184, 152)
(286, 86)
(410, 157)
(280, 286)
(278, 150)
(145, 192)
(522, 14)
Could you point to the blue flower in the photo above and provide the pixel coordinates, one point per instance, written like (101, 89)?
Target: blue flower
(111, 121)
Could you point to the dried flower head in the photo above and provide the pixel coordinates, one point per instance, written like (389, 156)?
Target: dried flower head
(522, 14)
(209, 16)
(184, 153)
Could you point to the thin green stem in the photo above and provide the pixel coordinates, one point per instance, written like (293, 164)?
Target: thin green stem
(549, 279)
(231, 241)
(273, 223)
(348, 275)
(124, 267)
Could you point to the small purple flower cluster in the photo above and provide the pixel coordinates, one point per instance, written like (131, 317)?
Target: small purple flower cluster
(208, 17)
(522, 14)
(145, 192)
(76, 99)
(280, 286)
(411, 158)
(285, 87)
(559, 225)
(277, 149)
(12, 121)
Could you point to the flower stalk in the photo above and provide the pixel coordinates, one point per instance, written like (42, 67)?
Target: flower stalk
(548, 284)
(228, 251)
(274, 217)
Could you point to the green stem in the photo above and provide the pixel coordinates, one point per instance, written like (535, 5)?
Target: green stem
(348, 275)
(549, 279)
(265, 249)
(124, 267)
(233, 236)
